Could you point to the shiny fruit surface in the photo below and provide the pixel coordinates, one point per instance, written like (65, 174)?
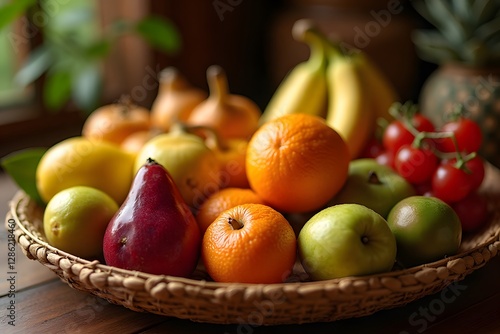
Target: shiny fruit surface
(79, 161)
(346, 240)
(76, 218)
(426, 229)
(296, 163)
(250, 243)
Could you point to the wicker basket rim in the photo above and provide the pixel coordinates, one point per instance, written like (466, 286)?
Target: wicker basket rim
(20, 196)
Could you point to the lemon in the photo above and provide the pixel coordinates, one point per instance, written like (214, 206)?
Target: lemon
(79, 161)
(76, 218)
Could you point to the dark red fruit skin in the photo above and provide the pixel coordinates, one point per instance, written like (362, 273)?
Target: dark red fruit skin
(396, 134)
(450, 184)
(416, 165)
(468, 135)
(154, 230)
(472, 211)
(477, 171)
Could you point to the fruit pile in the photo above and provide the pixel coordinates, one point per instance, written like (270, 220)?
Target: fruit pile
(442, 163)
(210, 181)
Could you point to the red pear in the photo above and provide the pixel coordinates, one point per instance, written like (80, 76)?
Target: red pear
(153, 231)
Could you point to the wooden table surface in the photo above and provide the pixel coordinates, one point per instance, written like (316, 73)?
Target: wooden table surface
(44, 304)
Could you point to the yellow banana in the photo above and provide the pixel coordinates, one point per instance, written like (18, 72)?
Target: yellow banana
(303, 90)
(349, 111)
(381, 92)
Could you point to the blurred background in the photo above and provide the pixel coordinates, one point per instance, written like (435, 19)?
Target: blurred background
(60, 59)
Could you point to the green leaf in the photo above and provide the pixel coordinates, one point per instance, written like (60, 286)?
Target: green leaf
(433, 47)
(98, 49)
(484, 10)
(38, 62)
(86, 87)
(462, 8)
(57, 89)
(12, 10)
(21, 167)
(160, 33)
(489, 30)
(453, 28)
(423, 9)
(73, 18)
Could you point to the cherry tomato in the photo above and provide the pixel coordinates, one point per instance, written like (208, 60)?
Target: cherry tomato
(467, 133)
(416, 165)
(472, 211)
(372, 149)
(450, 183)
(476, 171)
(396, 134)
(476, 167)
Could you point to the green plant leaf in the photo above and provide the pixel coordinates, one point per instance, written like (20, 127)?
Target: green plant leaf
(12, 10)
(38, 62)
(86, 87)
(57, 89)
(21, 167)
(73, 18)
(160, 33)
(488, 30)
(484, 10)
(98, 49)
(462, 8)
(423, 9)
(433, 47)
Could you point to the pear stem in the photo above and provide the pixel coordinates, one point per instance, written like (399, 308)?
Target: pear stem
(364, 239)
(235, 223)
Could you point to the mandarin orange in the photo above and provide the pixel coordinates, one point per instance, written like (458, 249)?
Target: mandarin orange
(249, 243)
(223, 200)
(296, 163)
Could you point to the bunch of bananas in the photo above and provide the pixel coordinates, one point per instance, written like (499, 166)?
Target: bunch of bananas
(346, 89)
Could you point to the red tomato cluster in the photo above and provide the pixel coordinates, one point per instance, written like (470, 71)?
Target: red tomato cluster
(436, 163)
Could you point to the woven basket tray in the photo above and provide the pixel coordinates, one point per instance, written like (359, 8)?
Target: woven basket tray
(296, 301)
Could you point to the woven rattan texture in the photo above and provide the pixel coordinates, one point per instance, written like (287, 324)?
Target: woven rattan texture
(297, 301)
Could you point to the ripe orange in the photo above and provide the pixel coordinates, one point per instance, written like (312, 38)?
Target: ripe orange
(296, 163)
(232, 156)
(249, 243)
(223, 200)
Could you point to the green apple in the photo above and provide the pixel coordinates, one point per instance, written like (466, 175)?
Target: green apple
(426, 230)
(373, 185)
(346, 240)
